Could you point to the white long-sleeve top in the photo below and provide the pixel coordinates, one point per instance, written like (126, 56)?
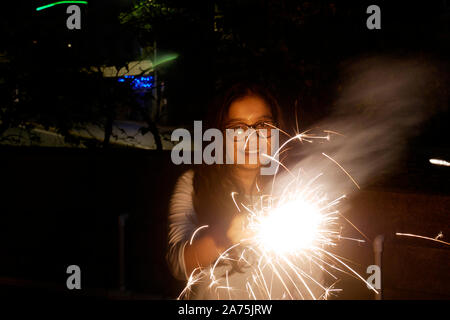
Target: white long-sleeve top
(182, 224)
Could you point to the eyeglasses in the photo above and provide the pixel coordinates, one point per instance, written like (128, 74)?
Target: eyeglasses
(262, 129)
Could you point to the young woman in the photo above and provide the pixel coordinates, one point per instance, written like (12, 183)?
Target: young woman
(202, 196)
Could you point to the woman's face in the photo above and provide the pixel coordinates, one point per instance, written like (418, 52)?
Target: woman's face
(243, 113)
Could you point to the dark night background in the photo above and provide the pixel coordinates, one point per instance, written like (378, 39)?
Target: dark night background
(61, 203)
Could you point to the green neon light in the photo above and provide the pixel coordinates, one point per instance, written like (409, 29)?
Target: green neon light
(59, 2)
(164, 59)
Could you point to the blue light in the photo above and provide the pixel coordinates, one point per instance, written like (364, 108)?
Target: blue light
(142, 82)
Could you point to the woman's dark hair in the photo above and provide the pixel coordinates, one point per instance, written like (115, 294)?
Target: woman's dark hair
(213, 184)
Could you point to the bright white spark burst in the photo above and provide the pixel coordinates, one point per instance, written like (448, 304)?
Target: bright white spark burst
(289, 228)
(287, 245)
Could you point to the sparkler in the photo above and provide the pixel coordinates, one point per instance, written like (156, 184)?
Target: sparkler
(285, 255)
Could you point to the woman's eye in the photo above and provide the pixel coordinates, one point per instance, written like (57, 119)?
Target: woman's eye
(240, 130)
(264, 125)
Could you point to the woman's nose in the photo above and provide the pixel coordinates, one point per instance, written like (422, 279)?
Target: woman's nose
(251, 143)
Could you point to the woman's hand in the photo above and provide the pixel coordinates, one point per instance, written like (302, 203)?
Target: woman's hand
(238, 229)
